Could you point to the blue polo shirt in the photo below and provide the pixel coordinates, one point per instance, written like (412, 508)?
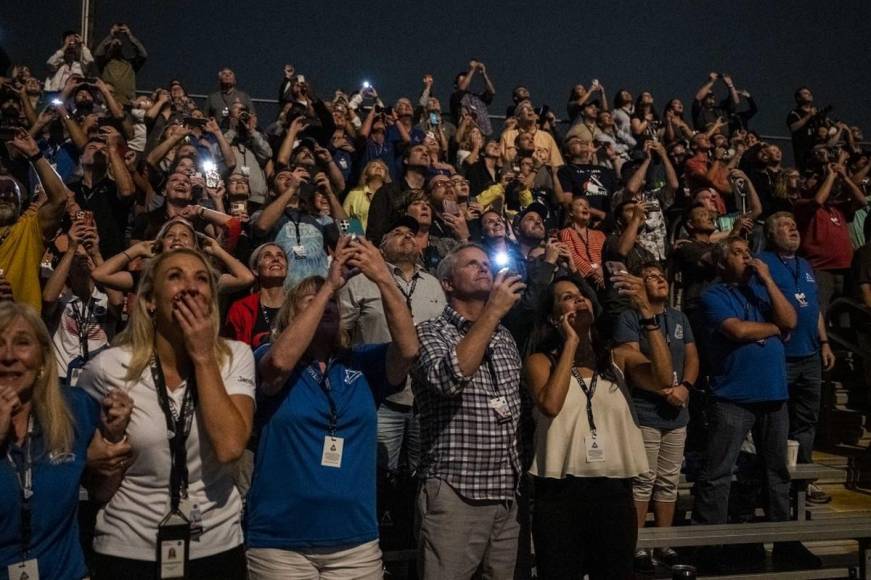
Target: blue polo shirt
(795, 278)
(743, 372)
(295, 502)
(55, 542)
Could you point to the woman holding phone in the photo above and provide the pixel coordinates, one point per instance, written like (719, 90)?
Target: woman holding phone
(587, 443)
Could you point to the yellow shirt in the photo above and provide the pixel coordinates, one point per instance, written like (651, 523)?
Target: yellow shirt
(357, 203)
(21, 253)
(541, 139)
(494, 192)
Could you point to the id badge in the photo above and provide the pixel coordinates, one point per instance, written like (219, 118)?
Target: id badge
(24, 570)
(74, 370)
(299, 251)
(173, 547)
(500, 405)
(332, 455)
(595, 447)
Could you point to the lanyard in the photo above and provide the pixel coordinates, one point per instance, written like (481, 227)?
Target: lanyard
(586, 241)
(83, 322)
(178, 428)
(295, 223)
(24, 474)
(589, 392)
(411, 286)
(796, 274)
(664, 319)
(324, 383)
(265, 312)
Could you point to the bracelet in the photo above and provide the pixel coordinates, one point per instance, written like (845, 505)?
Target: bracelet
(201, 211)
(35, 157)
(824, 342)
(648, 321)
(129, 259)
(688, 385)
(650, 327)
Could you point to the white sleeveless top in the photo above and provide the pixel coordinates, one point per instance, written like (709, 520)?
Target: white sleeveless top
(560, 448)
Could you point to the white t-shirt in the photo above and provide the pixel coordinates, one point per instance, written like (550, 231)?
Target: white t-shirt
(127, 525)
(99, 322)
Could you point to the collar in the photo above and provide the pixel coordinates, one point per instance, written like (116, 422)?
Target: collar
(454, 318)
(395, 270)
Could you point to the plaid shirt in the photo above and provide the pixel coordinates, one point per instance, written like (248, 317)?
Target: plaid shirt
(462, 440)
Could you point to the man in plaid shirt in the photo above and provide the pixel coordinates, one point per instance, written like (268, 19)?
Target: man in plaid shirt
(467, 390)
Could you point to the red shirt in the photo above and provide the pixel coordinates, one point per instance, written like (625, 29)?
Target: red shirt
(825, 236)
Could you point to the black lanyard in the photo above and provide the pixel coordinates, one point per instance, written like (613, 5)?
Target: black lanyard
(295, 223)
(412, 285)
(586, 245)
(324, 383)
(24, 474)
(796, 274)
(178, 428)
(83, 322)
(589, 392)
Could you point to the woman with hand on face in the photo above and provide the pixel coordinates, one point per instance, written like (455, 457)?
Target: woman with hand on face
(115, 272)
(311, 507)
(588, 445)
(45, 431)
(194, 406)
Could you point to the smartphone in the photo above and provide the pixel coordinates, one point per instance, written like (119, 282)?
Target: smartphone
(434, 118)
(238, 207)
(616, 267)
(553, 233)
(90, 80)
(449, 206)
(497, 205)
(195, 122)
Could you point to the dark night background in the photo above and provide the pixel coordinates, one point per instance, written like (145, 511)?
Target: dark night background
(770, 48)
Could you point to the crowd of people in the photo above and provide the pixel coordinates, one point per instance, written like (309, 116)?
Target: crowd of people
(244, 337)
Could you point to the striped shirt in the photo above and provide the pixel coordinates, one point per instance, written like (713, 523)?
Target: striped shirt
(463, 440)
(586, 250)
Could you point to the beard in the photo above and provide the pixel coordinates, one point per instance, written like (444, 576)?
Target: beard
(8, 213)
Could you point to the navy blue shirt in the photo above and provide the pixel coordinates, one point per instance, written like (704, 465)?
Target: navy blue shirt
(55, 542)
(743, 372)
(795, 278)
(295, 502)
(652, 409)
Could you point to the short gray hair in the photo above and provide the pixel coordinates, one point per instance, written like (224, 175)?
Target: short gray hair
(446, 267)
(720, 251)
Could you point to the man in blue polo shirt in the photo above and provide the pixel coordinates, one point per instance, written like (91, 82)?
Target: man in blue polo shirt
(747, 317)
(795, 278)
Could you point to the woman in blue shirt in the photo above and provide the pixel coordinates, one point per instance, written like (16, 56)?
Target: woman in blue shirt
(311, 507)
(44, 434)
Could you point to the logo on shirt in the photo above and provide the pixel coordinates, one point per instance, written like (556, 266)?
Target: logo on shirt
(809, 277)
(351, 376)
(61, 457)
(678, 331)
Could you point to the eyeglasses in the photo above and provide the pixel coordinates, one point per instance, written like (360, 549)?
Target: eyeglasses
(443, 185)
(655, 276)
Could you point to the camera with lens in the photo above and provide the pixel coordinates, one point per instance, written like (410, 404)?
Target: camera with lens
(244, 117)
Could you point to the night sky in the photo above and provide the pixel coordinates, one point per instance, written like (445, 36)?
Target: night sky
(770, 48)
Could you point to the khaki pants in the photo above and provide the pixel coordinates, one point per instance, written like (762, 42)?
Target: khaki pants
(457, 535)
(361, 562)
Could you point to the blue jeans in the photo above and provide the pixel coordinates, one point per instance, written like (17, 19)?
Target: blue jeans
(729, 424)
(398, 428)
(805, 378)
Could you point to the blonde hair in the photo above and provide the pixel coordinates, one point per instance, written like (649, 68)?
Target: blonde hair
(48, 403)
(139, 334)
(366, 174)
(291, 307)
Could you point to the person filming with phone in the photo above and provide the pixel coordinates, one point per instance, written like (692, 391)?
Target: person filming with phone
(466, 385)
